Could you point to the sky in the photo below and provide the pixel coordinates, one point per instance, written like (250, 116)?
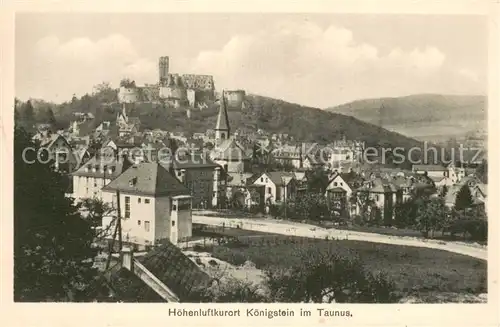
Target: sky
(318, 60)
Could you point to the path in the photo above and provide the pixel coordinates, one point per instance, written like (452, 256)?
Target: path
(304, 230)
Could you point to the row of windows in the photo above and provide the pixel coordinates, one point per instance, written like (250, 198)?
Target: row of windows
(127, 204)
(146, 225)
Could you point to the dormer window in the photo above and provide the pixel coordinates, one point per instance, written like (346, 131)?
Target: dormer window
(133, 182)
(87, 169)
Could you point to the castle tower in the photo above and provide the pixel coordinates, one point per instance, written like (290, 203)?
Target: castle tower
(222, 128)
(163, 68)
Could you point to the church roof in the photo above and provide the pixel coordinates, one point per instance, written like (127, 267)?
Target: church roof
(222, 117)
(230, 150)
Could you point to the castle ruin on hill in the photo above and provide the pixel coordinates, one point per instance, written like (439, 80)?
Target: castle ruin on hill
(177, 90)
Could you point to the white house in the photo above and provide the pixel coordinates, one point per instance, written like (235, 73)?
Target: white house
(153, 204)
(278, 185)
(96, 173)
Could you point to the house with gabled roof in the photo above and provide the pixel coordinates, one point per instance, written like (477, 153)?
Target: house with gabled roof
(153, 204)
(96, 173)
(279, 185)
(340, 189)
(382, 195)
(198, 173)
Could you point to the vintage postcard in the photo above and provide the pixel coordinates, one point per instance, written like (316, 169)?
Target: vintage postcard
(238, 164)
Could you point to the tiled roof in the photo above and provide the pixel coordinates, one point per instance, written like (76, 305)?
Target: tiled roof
(428, 168)
(193, 160)
(147, 178)
(175, 270)
(171, 267)
(230, 150)
(280, 177)
(380, 186)
(117, 167)
(436, 179)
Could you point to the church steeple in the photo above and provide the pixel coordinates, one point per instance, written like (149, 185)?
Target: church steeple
(222, 129)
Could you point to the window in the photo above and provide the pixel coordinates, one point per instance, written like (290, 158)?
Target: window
(334, 183)
(173, 223)
(127, 207)
(174, 207)
(266, 180)
(146, 201)
(262, 179)
(146, 226)
(138, 200)
(139, 223)
(268, 190)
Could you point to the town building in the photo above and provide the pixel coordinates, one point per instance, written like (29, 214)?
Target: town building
(228, 152)
(154, 206)
(199, 174)
(340, 190)
(279, 186)
(380, 195)
(99, 171)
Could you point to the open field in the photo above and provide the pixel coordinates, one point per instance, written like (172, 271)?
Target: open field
(415, 271)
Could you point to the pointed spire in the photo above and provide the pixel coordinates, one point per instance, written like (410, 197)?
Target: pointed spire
(124, 112)
(222, 118)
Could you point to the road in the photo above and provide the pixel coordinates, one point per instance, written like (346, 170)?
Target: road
(304, 230)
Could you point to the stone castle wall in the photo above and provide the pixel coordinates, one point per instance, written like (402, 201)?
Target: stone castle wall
(191, 88)
(128, 94)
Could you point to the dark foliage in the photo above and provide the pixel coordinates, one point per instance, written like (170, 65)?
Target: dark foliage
(53, 252)
(464, 198)
(327, 277)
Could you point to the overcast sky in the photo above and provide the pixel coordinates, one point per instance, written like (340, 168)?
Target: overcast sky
(318, 60)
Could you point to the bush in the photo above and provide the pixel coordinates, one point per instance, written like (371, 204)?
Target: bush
(326, 278)
(203, 248)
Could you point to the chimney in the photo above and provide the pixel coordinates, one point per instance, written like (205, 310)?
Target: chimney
(182, 177)
(128, 259)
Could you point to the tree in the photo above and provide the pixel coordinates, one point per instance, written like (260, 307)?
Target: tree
(482, 171)
(47, 116)
(126, 82)
(317, 180)
(365, 204)
(228, 289)
(444, 191)
(464, 198)
(104, 93)
(326, 277)
(311, 206)
(27, 116)
(431, 215)
(53, 252)
(95, 210)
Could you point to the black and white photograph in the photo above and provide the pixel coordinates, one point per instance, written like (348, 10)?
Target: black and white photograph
(265, 158)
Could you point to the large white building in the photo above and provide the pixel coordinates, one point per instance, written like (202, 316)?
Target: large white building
(153, 204)
(96, 173)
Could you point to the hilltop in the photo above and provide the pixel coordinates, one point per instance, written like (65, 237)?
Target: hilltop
(431, 117)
